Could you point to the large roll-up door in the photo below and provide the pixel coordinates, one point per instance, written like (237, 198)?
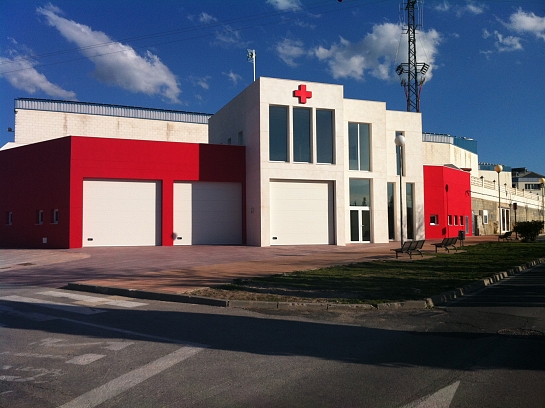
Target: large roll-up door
(207, 213)
(121, 213)
(302, 213)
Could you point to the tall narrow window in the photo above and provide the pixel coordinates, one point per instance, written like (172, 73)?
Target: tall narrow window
(54, 216)
(301, 135)
(278, 133)
(9, 218)
(359, 152)
(391, 213)
(360, 214)
(324, 135)
(39, 217)
(410, 210)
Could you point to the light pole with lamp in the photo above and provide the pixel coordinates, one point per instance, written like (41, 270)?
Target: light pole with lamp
(542, 181)
(400, 142)
(498, 169)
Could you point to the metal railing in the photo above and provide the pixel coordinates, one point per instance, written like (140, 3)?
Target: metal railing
(111, 110)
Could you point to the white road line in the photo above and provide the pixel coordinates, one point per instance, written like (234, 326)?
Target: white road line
(439, 399)
(132, 378)
(38, 317)
(92, 299)
(52, 305)
(85, 359)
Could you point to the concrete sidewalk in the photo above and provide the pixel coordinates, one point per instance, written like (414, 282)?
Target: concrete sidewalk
(180, 269)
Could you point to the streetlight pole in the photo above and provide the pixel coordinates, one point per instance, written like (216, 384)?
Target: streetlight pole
(498, 169)
(400, 142)
(542, 180)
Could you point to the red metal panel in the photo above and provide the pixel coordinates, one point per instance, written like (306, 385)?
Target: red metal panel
(447, 191)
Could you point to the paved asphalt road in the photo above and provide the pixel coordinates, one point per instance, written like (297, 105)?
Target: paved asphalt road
(71, 349)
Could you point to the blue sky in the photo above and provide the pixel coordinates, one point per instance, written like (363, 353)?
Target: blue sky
(487, 58)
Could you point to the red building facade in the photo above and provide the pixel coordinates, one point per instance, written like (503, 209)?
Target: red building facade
(41, 184)
(447, 202)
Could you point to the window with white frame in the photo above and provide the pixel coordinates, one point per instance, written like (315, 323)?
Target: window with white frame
(485, 216)
(434, 219)
(359, 146)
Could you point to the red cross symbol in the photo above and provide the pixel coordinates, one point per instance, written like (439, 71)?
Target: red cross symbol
(302, 94)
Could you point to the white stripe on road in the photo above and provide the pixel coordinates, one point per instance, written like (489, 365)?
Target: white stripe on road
(52, 305)
(85, 359)
(439, 399)
(126, 381)
(92, 299)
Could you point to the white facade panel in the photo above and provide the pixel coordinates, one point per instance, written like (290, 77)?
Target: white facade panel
(121, 213)
(301, 213)
(207, 213)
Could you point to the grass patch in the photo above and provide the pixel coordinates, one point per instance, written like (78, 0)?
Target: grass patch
(386, 280)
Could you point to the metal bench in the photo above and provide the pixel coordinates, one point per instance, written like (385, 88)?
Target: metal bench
(409, 247)
(446, 243)
(506, 236)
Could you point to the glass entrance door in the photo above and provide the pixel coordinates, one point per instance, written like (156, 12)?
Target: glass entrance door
(360, 225)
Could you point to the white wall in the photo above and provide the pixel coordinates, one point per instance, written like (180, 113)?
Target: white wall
(34, 126)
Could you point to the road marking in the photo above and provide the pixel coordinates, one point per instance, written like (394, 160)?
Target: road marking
(126, 381)
(92, 299)
(52, 305)
(38, 317)
(34, 355)
(439, 399)
(85, 359)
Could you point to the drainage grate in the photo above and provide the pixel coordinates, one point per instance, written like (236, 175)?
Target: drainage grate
(520, 332)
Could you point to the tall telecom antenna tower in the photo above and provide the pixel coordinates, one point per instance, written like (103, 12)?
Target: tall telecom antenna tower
(415, 71)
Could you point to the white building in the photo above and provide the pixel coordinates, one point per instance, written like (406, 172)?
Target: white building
(322, 169)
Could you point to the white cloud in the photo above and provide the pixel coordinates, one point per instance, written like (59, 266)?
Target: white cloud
(22, 75)
(230, 37)
(285, 4)
(469, 8)
(508, 43)
(201, 81)
(288, 50)
(206, 18)
(523, 22)
(234, 78)
(376, 53)
(115, 63)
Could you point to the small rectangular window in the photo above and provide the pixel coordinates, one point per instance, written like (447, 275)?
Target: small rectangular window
(450, 220)
(461, 220)
(434, 219)
(55, 216)
(9, 218)
(485, 216)
(455, 220)
(39, 217)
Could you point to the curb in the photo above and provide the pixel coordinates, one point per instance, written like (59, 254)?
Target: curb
(477, 285)
(257, 304)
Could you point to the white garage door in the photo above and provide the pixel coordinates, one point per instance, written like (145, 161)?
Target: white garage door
(207, 213)
(302, 213)
(121, 213)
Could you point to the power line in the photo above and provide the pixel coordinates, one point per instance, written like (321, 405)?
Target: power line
(276, 15)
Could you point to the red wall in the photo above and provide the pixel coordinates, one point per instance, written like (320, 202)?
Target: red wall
(442, 201)
(70, 160)
(35, 177)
